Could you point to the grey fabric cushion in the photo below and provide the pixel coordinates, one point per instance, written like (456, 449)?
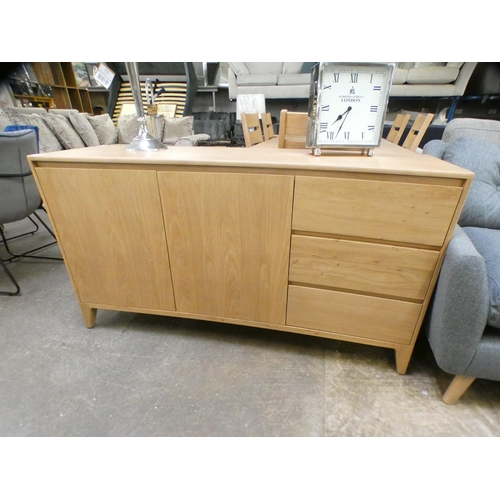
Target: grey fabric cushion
(482, 207)
(128, 127)
(104, 128)
(435, 148)
(47, 141)
(175, 128)
(84, 129)
(487, 243)
(64, 131)
(476, 128)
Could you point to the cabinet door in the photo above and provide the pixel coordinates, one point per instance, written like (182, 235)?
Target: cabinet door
(110, 227)
(229, 241)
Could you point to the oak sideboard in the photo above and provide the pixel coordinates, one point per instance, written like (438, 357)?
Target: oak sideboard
(341, 246)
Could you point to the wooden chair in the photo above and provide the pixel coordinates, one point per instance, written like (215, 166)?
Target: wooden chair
(252, 132)
(267, 126)
(293, 130)
(397, 129)
(417, 131)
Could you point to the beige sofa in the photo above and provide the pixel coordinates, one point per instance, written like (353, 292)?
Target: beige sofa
(288, 80)
(276, 80)
(426, 79)
(61, 129)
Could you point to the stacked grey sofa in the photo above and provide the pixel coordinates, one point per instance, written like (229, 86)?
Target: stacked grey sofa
(463, 321)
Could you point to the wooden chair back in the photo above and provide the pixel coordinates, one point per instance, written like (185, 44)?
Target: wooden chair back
(267, 126)
(293, 130)
(398, 127)
(417, 131)
(252, 132)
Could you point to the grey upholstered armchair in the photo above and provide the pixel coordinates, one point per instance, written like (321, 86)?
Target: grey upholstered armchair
(463, 321)
(19, 196)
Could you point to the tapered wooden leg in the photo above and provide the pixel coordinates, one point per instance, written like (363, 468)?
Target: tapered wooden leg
(403, 355)
(457, 387)
(89, 315)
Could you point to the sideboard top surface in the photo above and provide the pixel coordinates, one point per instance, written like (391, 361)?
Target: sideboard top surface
(388, 159)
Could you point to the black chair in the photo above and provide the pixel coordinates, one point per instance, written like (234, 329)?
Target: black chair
(19, 196)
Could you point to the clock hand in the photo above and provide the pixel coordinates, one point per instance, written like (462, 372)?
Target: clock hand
(340, 116)
(342, 124)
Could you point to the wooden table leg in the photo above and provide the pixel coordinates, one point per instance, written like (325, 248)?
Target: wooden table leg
(403, 355)
(457, 387)
(89, 314)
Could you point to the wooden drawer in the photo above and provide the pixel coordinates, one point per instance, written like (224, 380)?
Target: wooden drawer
(352, 314)
(393, 211)
(359, 266)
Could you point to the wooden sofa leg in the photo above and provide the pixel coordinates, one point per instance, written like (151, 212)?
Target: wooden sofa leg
(457, 387)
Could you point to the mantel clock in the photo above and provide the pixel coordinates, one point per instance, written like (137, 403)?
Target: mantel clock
(347, 106)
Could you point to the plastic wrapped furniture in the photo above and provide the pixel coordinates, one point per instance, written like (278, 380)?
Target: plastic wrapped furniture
(463, 320)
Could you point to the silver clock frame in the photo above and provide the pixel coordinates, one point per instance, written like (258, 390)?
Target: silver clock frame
(313, 120)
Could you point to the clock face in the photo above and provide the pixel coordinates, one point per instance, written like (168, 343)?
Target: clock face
(351, 104)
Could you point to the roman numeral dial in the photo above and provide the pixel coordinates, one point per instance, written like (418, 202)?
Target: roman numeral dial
(351, 103)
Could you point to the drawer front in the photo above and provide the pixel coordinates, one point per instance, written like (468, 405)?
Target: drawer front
(352, 314)
(359, 266)
(393, 211)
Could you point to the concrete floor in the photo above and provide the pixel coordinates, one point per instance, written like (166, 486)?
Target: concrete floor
(142, 375)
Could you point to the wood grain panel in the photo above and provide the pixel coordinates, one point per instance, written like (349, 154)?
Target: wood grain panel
(229, 241)
(110, 227)
(351, 314)
(365, 267)
(394, 211)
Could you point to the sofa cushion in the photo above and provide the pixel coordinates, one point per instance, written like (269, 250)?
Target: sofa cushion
(192, 140)
(476, 128)
(176, 128)
(265, 68)
(294, 79)
(482, 206)
(269, 79)
(47, 141)
(293, 67)
(83, 128)
(435, 75)
(64, 131)
(128, 127)
(487, 243)
(63, 112)
(104, 128)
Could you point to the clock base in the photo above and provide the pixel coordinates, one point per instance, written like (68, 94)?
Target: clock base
(362, 151)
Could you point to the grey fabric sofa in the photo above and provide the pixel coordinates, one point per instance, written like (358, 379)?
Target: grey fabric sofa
(68, 129)
(463, 320)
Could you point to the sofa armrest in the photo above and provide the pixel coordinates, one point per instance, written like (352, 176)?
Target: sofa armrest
(435, 148)
(463, 78)
(458, 313)
(192, 140)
